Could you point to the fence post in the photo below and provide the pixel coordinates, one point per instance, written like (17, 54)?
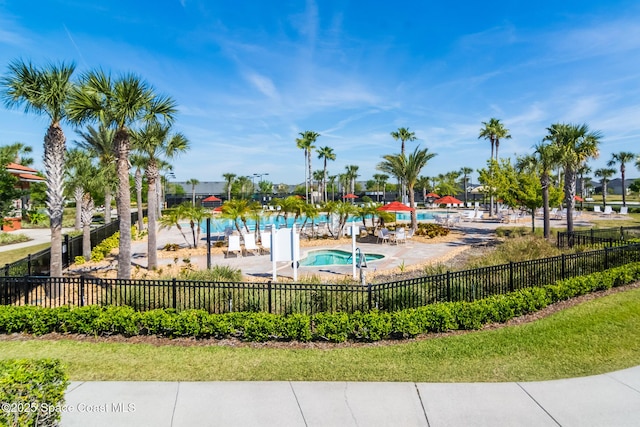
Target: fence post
(606, 258)
(6, 270)
(269, 295)
(621, 232)
(175, 292)
(81, 291)
(66, 253)
(28, 265)
(448, 286)
(591, 232)
(563, 268)
(510, 276)
(370, 296)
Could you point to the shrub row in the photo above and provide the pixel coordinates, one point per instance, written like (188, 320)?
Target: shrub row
(335, 327)
(32, 392)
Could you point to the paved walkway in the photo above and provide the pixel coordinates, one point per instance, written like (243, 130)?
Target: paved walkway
(602, 400)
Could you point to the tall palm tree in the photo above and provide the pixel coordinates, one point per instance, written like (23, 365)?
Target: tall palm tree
(305, 142)
(99, 142)
(465, 171)
(403, 134)
(604, 174)
(45, 92)
(494, 131)
(332, 184)
(547, 157)
(228, 179)
(19, 153)
(352, 175)
(381, 181)
(193, 182)
(408, 169)
(576, 145)
(155, 143)
(582, 171)
(120, 103)
(325, 153)
(622, 157)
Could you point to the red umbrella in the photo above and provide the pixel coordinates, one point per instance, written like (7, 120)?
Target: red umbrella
(447, 200)
(434, 195)
(578, 199)
(350, 196)
(395, 207)
(212, 199)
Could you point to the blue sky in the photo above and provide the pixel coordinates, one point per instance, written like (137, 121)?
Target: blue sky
(248, 76)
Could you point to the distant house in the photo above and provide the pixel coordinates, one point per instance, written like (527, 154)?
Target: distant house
(211, 202)
(26, 176)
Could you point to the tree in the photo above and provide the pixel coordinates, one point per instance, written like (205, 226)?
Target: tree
(325, 153)
(265, 187)
(494, 131)
(193, 182)
(604, 174)
(154, 143)
(19, 153)
(8, 185)
(236, 210)
(305, 142)
(465, 171)
(575, 144)
(403, 134)
(120, 104)
(138, 162)
(546, 157)
(45, 92)
(582, 171)
(381, 180)
(228, 179)
(351, 176)
(407, 169)
(99, 142)
(622, 157)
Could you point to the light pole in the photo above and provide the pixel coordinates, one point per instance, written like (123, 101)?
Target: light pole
(259, 175)
(164, 191)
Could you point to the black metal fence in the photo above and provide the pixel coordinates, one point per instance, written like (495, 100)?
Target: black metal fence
(37, 264)
(287, 298)
(616, 236)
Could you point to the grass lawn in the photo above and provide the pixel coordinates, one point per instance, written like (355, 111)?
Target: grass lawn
(18, 254)
(594, 337)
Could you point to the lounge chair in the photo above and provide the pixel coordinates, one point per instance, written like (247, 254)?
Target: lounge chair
(596, 209)
(608, 210)
(265, 241)
(479, 215)
(250, 244)
(624, 210)
(383, 234)
(410, 233)
(469, 216)
(234, 245)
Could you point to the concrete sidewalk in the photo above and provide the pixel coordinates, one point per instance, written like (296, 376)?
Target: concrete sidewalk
(602, 400)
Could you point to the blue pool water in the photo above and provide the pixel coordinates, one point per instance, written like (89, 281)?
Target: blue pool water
(422, 216)
(219, 224)
(332, 257)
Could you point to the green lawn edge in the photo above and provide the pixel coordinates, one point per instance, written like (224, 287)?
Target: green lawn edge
(594, 337)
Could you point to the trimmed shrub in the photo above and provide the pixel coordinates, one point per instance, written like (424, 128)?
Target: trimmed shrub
(32, 392)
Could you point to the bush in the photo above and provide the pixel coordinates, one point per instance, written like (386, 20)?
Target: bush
(431, 230)
(32, 391)
(104, 248)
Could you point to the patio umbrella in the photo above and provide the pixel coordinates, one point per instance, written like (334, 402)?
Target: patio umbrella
(433, 195)
(395, 207)
(212, 199)
(578, 198)
(350, 196)
(447, 200)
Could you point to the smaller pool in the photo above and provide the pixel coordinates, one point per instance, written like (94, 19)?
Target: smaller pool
(332, 257)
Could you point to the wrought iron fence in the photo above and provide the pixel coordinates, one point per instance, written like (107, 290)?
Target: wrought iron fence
(616, 236)
(287, 298)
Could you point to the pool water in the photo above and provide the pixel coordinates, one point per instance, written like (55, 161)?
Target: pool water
(332, 257)
(421, 216)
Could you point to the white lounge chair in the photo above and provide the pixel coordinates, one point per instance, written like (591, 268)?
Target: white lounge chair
(624, 210)
(250, 244)
(234, 245)
(469, 215)
(479, 215)
(265, 241)
(608, 210)
(596, 209)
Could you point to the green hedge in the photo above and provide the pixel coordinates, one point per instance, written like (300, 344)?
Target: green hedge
(32, 392)
(335, 327)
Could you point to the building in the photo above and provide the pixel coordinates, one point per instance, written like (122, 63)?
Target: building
(26, 176)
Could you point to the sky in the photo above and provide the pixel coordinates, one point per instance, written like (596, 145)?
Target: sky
(249, 76)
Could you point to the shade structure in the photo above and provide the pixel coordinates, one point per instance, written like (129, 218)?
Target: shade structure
(212, 199)
(433, 195)
(350, 196)
(447, 200)
(578, 199)
(395, 207)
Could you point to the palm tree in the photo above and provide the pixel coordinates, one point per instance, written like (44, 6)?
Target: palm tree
(493, 131)
(305, 142)
(576, 145)
(352, 174)
(138, 162)
(99, 142)
(318, 177)
(582, 171)
(403, 135)
(120, 103)
(381, 181)
(332, 184)
(547, 157)
(171, 217)
(407, 169)
(45, 92)
(193, 182)
(465, 171)
(228, 179)
(155, 143)
(622, 158)
(604, 174)
(423, 184)
(325, 153)
(18, 153)
(235, 210)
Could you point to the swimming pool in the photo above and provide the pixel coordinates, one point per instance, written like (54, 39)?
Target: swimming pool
(422, 216)
(332, 257)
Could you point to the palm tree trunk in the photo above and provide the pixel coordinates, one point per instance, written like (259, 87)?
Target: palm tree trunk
(152, 216)
(87, 216)
(54, 149)
(310, 177)
(414, 214)
(569, 196)
(107, 205)
(123, 202)
(624, 192)
(545, 181)
(78, 192)
(604, 193)
(138, 180)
